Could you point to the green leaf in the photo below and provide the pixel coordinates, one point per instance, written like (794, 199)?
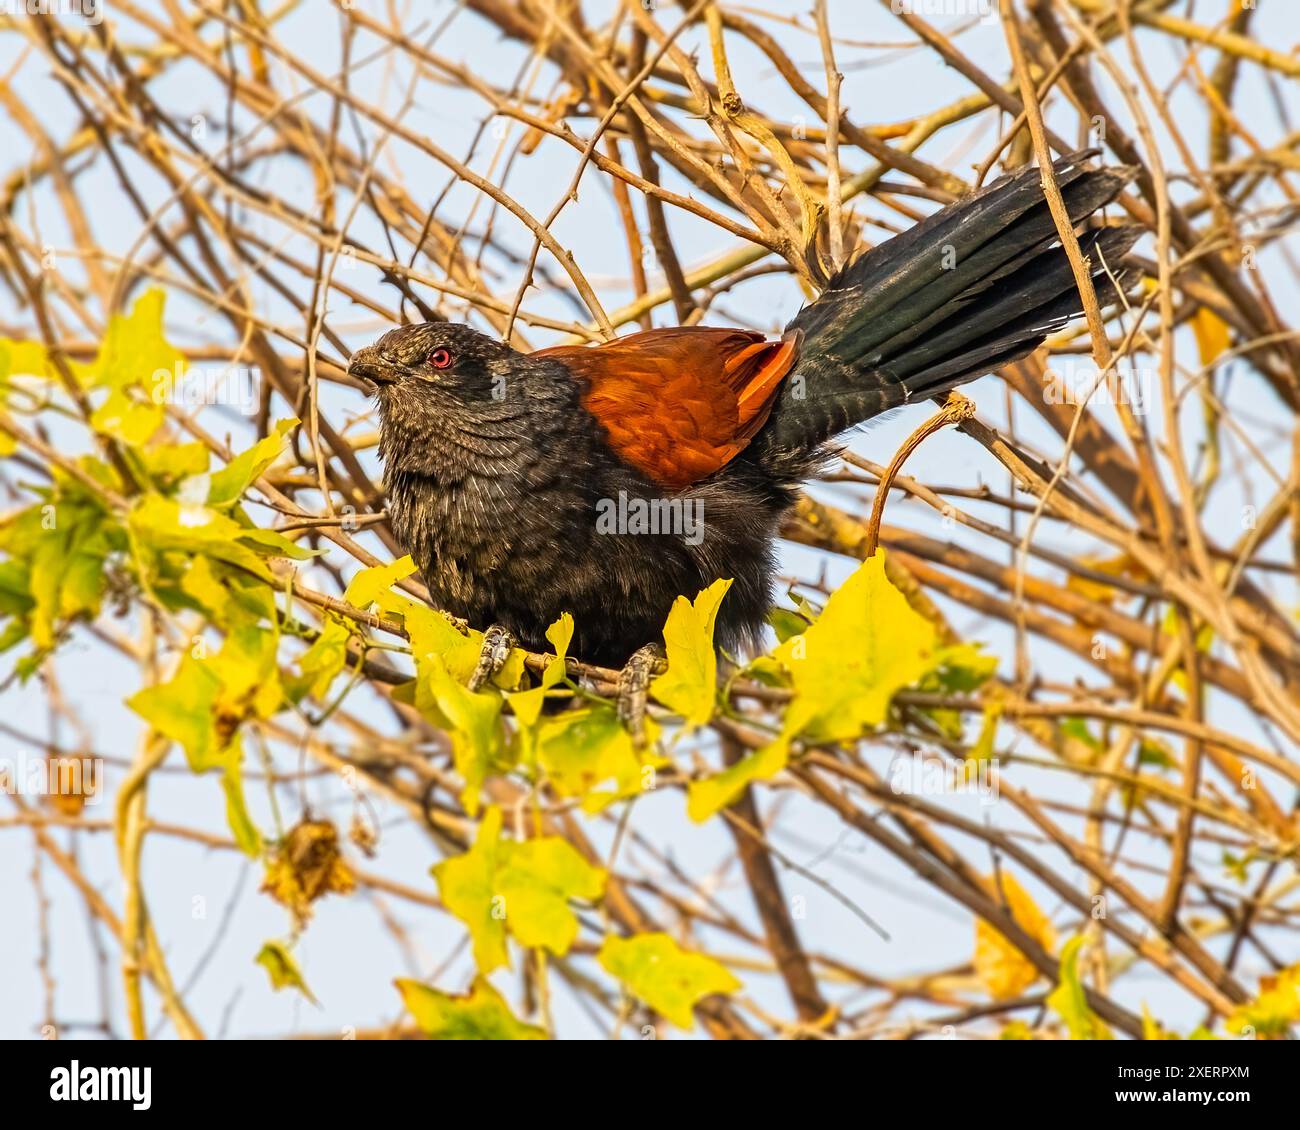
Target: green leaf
(228, 484)
(322, 662)
(14, 634)
(182, 709)
(867, 644)
(481, 1014)
(1153, 751)
(525, 886)
(247, 837)
(204, 702)
(278, 962)
(786, 623)
(66, 577)
(15, 588)
(272, 543)
(1071, 1002)
(671, 980)
(473, 719)
(961, 668)
(159, 524)
(690, 685)
(1076, 729)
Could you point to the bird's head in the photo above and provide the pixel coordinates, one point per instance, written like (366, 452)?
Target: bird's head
(440, 362)
(450, 397)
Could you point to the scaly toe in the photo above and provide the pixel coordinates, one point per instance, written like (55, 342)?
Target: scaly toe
(634, 690)
(497, 642)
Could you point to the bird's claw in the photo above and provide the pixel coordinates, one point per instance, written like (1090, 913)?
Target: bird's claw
(634, 690)
(461, 625)
(497, 642)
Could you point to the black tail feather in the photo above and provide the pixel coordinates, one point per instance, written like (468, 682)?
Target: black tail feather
(1037, 299)
(979, 284)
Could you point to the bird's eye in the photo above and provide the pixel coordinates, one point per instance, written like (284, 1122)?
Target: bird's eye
(440, 358)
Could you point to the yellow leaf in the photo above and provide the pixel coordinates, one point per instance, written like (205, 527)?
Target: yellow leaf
(466, 883)
(982, 750)
(1001, 968)
(524, 887)
(139, 367)
(1212, 335)
(204, 586)
(1152, 1029)
(481, 1014)
(433, 635)
(247, 837)
(690, 685)
(1071, 1002)
(671, 980)
(1119, 566)
(135, 350)
(527, 705)
(580, 750)
(283, 970)
(472, 718)
(229, 484)
(128, 415)
(536, 880)
(370, 585)
(867, 644)
(30, 359)
(170, 463)
(708, 797)
(157, 523)
(1274, 1009)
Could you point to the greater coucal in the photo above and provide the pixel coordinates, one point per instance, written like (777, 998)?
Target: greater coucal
(500, 465)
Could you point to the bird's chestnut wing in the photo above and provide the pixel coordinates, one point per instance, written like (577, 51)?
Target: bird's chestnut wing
(680, 403)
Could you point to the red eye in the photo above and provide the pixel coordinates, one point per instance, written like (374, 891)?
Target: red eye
(440, 358)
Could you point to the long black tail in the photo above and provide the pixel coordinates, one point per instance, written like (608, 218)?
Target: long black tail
(976, 285)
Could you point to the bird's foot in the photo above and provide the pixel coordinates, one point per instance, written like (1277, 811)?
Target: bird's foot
(497, 642)
(634, 689)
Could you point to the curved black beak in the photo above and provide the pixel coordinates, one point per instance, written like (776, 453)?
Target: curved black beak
(370, 365)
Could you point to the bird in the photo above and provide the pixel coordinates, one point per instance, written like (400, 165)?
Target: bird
(527, 485)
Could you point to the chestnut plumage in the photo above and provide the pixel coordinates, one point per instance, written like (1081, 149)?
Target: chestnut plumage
(606, 480)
